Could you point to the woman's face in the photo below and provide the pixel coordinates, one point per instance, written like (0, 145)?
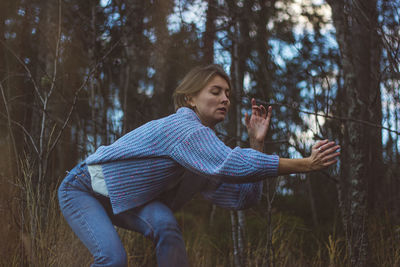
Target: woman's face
(212, 103)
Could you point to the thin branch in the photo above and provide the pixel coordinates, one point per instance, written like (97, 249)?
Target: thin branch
(328, 93)
(47, 97)
(315, 101)
(91, 72)
(26, 69)
(341, 118)
(24, 130)
(9, 125)
(270, 247)
(57, 51)
(246, 142)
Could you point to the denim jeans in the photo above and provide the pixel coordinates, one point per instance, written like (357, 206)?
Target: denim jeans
(91, 218)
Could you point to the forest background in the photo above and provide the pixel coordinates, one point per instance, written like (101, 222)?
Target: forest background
(78, 74)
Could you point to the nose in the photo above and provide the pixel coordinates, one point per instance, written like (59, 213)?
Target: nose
(225, 99)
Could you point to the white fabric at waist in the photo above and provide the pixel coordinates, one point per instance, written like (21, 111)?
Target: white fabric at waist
(97, 178)
(99, 184)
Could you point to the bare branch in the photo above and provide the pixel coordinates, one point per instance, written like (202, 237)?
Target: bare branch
(57, 51)
(68, 117)
(9, 125)
(26, 69)
(47, 97)
(329, 116)
(24, 130)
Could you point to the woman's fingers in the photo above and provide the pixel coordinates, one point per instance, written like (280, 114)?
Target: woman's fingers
(328, 163)
(254, 107)
(329, 149)
(247, 118)
(269, 114)
(320, 144)
(260, 111)
(256, 110)
(325, 146)
(330, 156)
(263, 112)
(324, 153)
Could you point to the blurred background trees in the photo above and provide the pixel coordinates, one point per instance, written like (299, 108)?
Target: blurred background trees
(78, 74)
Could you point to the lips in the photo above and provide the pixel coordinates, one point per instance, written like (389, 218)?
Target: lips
(222, 109)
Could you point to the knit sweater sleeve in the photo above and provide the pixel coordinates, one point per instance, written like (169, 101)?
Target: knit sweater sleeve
(235, 196)
(203, 153)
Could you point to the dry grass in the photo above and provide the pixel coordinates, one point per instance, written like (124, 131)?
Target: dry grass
(45, 239)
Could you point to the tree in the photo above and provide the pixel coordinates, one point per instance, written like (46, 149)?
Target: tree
(362, 164)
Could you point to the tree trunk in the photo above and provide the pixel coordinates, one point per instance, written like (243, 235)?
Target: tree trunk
(236, 253)
(162, 43)
(312, 202)
(132, 40)
(94, 103)
(237, 74)
(264, 70)
(209, 35)
(361, 160)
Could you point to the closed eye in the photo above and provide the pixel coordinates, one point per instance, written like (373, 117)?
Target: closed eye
(216, 90)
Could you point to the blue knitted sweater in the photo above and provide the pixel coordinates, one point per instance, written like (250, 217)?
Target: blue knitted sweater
(141, 165)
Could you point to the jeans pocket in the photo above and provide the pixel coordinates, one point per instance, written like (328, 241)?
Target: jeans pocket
(85, 181)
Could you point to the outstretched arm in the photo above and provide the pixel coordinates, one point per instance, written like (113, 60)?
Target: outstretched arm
(323, 154)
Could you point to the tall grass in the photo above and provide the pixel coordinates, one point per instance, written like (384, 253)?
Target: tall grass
(45, 238)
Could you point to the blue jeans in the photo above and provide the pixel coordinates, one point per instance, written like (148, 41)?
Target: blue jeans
(91, 218)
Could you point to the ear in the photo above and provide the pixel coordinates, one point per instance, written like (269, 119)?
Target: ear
(189, 100)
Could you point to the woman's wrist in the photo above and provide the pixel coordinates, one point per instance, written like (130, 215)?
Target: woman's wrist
(257, 145)
(289, 166)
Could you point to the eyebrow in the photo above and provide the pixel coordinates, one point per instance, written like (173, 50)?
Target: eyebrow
(220, 88)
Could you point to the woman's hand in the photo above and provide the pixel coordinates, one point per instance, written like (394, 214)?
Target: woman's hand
(323, 154)
(258, 124)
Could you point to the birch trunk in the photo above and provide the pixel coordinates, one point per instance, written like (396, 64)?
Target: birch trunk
(236, 255)
(237, 82)
(312, 202)
(361, 160)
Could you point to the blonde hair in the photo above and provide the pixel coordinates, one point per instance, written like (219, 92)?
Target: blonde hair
(195, 81)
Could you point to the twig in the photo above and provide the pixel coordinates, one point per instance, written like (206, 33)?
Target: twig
(57, 51)
(77, 93)
(26, 69)
(24, 130)
(330, 116)
(9, 125)
(42, 169)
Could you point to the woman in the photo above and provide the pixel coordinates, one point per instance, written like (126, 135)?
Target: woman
(137, 181)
